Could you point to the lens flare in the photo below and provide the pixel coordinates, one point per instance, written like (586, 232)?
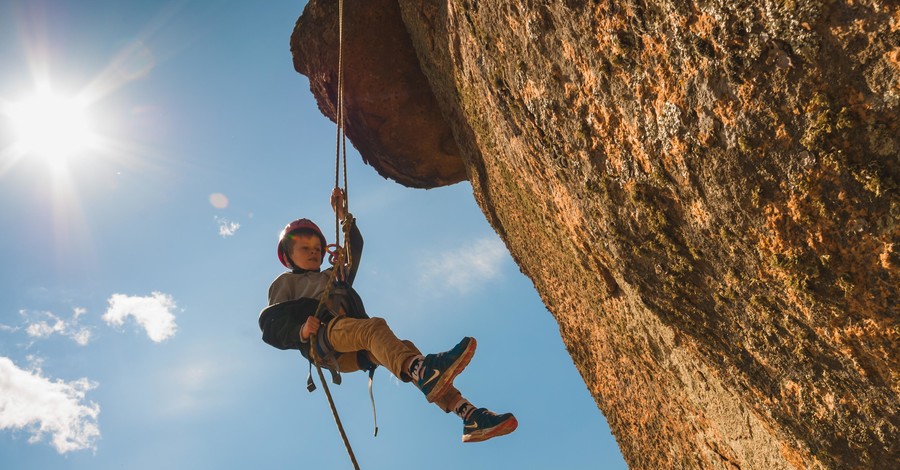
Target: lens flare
(218, 200)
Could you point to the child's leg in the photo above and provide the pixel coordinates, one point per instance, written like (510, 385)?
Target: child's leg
(352, 362)
(479, 424)
(372, 334)
(348, 335)
(450, 400)
(346, 362)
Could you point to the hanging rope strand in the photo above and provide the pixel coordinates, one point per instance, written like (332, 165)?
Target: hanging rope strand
(335, 413)
(315, 360)
(341, 155)
(339, 114)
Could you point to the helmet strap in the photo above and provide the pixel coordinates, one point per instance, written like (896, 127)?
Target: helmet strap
(282, 246)
(304, 271)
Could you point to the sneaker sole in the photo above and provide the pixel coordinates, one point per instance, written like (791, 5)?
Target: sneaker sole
(501, 429)
(446, 378)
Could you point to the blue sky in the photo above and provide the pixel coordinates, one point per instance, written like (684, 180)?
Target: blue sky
(133, 271)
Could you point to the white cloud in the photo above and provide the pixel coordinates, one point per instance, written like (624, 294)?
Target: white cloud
(77, 312)
(466, 267)
(153, 313)
(82, 336)
(42, 329)
(50, 324)
(34, 403)
(227, 228)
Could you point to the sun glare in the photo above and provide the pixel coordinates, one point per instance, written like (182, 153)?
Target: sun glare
(51, 127)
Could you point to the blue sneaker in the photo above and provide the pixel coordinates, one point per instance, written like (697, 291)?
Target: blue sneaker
(484, 424)
(439, 370)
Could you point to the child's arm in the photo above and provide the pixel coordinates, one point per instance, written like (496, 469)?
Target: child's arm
(338, 202)
(282, 323)
(310, 326)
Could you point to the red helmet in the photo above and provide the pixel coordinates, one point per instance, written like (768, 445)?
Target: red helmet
(299, 224)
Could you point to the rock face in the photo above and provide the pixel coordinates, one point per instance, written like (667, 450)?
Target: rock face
(719, 180)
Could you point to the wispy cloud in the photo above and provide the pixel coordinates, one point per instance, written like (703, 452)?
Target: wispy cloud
(464, 268)
(40, 406)
(227, 228)
(193, 385)
(153, 313)
(46, 324)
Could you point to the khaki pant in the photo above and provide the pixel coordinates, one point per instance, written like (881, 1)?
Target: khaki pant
(349, 335)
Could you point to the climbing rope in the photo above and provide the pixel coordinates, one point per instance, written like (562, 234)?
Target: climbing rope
(340, 258)
(341, 137)
(315, 360)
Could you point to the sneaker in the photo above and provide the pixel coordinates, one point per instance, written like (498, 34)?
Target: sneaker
(484, 424)
(439, 370)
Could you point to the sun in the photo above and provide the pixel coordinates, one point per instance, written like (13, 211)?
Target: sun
(52, 127)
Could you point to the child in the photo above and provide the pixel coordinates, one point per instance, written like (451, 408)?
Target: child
(362, 343)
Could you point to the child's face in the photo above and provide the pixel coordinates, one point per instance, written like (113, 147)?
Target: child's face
(306, 252)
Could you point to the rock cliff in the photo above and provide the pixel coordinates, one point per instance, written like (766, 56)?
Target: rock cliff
(718, 178)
